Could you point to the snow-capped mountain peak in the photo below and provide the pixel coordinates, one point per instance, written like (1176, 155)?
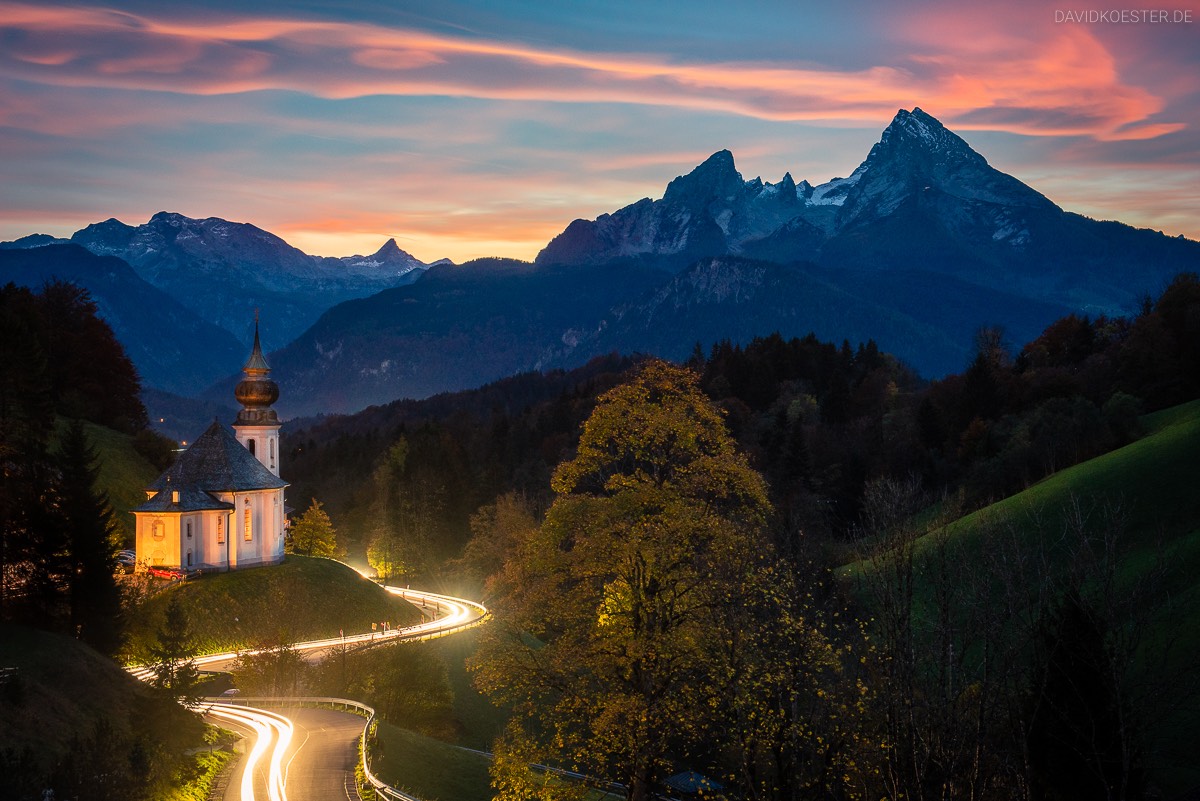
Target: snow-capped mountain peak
(918, 164)
(388, 259)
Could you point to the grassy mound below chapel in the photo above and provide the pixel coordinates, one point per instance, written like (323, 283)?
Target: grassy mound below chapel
(304, 598)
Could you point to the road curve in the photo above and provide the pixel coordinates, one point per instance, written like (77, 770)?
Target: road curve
(322, 771)
(262, 769)
(307, 755)
(450, 615)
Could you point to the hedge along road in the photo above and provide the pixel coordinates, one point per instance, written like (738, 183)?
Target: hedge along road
(325, 737)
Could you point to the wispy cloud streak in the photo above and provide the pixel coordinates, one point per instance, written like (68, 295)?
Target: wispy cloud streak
(1062, 83)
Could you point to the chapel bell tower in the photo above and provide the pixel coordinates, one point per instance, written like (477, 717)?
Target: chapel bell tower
(257, 425)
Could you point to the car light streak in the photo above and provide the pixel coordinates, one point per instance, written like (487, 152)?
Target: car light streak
(270, 730)
(450, 615)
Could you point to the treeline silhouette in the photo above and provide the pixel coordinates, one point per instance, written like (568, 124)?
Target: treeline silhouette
(59, 365)
(819, 420)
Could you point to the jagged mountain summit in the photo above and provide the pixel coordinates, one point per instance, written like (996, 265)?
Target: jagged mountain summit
(919, 246)
(224, 270)
(923, 199)
(712, 211)
(917, 154)
(388, 259)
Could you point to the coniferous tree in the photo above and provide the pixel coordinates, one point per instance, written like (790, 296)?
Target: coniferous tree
(95, 599)
(57, 358)
(25, 412)
(173, 656)
(91, 376)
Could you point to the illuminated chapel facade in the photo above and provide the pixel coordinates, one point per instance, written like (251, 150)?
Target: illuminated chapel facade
(221, 505)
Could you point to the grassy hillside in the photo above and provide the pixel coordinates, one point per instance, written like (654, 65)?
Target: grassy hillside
(480, 719)
(1155, 481)
(1147, 496)
(304, 598)
(428, 768)
(1151, 484)
(124, 473)
(67, 711)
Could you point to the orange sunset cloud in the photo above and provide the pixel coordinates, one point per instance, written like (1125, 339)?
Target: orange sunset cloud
(1068, 71)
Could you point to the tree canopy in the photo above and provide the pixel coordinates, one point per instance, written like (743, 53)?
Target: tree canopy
(631, 585)
(312, 534)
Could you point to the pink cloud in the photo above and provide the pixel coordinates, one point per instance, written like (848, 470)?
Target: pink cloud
(1003, 80)
(473, 190)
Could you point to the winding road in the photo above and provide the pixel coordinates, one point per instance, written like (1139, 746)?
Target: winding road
(307, 755)
(310, 754)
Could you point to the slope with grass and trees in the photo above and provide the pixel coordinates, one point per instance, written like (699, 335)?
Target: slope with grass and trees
(1059, 620)
(75, 722)
(302, 598)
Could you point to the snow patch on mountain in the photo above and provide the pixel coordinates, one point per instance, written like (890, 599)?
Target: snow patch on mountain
(833, 192)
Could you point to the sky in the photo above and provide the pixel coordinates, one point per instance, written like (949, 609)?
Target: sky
(468, 129)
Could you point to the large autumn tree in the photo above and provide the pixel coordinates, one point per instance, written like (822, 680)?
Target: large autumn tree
(630, 590)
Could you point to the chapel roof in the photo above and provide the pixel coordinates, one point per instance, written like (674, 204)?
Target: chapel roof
(217, 462)
(190, 500)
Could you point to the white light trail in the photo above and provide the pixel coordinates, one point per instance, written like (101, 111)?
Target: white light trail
(450, 615)
(270, 730)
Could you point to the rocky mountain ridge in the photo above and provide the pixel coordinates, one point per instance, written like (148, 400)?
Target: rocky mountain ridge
(921, 245)
(225, 270)
(923, 199)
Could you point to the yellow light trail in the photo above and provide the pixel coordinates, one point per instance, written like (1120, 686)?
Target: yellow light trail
(269, 729)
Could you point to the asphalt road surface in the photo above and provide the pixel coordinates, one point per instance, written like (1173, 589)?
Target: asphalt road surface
(322, 767)
(309, 755)
(318, 764)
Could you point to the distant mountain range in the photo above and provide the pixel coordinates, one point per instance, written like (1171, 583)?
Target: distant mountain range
(923, 200)
(172, 347)
(920, 246)
(181, 293)
(224, 271)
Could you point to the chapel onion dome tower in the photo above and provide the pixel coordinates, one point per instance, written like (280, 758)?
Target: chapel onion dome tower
(257, 424)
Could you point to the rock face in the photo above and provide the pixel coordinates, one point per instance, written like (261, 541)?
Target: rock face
(224, 271)
(921, 200)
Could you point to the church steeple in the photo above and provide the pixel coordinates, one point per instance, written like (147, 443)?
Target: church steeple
(256, 364)
(257, 424)
(256, 392)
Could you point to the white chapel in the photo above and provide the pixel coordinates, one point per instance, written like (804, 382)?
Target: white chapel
(221, 506)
